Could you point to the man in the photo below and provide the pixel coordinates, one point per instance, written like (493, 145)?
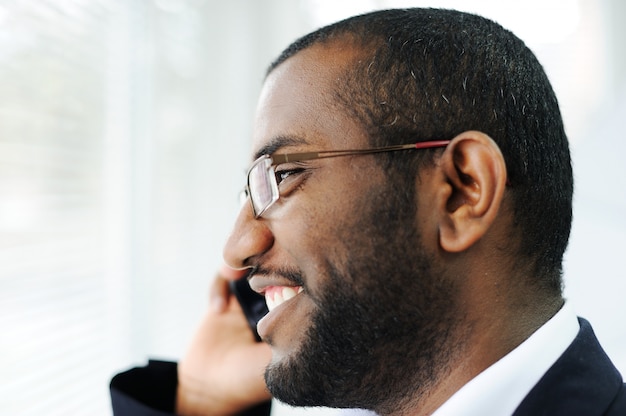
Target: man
(410, 203)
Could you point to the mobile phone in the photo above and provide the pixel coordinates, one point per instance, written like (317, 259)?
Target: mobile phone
(252, 303)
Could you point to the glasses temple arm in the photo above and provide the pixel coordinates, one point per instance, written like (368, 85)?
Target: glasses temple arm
(297, 157)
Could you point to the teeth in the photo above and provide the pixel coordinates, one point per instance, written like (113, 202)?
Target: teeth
(288, 293)
(281, 295)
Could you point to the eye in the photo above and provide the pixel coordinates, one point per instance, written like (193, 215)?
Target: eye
(285, 174)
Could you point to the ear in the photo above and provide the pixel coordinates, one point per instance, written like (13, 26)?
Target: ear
(475, 173)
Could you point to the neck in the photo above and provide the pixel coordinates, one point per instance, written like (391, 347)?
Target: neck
(487, 339)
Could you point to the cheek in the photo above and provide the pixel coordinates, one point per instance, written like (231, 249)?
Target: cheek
(320, 226)
(319, 238)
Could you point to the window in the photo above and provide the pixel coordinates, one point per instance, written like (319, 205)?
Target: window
(110, 114)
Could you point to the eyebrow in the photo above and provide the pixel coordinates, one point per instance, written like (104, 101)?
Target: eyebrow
(277, 143)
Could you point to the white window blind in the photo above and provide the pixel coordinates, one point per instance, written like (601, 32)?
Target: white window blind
(58, 321)
(124, 129)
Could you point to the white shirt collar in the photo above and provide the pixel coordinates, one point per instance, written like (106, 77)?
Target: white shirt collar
(499, 389)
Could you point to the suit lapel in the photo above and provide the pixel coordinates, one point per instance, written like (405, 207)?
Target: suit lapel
(583, 381)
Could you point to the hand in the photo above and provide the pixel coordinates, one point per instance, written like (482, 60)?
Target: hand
(222, 372)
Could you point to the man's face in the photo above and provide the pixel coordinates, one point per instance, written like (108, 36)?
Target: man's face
(369, 314)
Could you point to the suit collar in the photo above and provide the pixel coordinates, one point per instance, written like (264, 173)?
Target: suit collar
(583, 381)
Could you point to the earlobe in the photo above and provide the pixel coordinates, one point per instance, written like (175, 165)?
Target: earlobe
(475, 174)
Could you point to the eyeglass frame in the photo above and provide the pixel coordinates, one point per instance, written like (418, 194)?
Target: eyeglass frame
(279, 159)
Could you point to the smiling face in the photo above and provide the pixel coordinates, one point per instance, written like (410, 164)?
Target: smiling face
(358, 312)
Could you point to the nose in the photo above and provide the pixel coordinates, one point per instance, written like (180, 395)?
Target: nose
(249, 238)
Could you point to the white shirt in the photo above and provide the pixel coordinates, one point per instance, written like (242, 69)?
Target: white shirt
(500, 388)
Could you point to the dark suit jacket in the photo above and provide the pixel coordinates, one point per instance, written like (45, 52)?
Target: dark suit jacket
(583, 382)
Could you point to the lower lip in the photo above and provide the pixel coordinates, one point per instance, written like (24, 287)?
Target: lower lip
(272, 318)
(262, 326)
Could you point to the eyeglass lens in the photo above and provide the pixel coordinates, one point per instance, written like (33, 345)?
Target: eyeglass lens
(262, 185)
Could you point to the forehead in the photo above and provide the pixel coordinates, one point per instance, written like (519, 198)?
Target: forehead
(297, 106)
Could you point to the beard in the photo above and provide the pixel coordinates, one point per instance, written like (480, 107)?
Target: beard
(381, 334)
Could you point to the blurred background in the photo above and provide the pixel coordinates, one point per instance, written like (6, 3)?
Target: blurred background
(124, 133)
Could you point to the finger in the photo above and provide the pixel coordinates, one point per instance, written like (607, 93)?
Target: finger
(219, 294)
(229, 273)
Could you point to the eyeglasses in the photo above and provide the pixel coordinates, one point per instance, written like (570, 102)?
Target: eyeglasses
(262, 186)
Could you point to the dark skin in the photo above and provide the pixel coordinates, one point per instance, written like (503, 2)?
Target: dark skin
(463, 218)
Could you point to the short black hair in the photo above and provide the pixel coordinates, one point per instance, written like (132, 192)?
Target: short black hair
(434, 73)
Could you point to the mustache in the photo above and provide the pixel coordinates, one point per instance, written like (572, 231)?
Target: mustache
(292, 275)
